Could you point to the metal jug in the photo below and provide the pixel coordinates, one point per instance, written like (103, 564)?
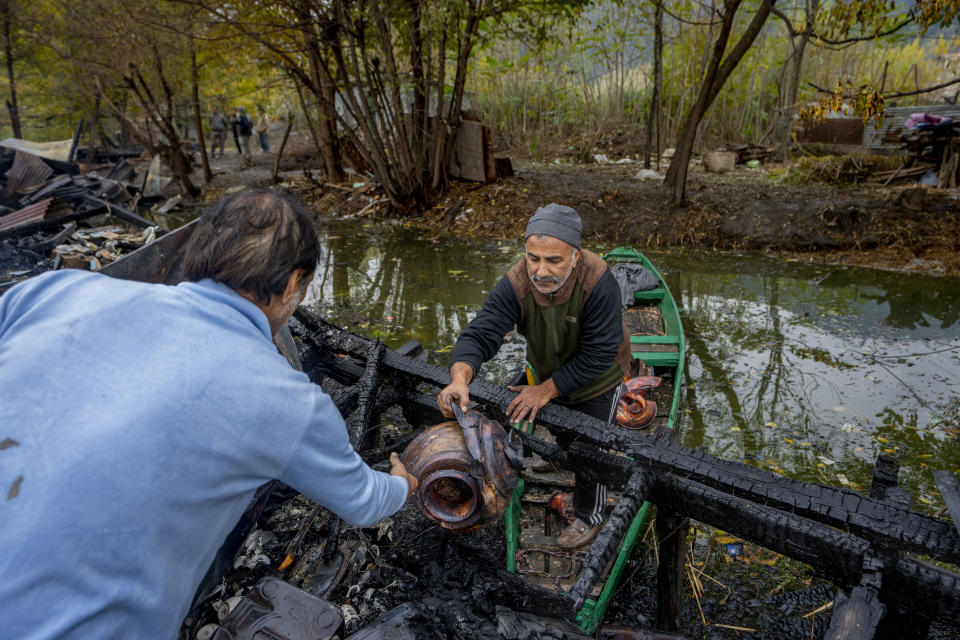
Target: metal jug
(467, 471)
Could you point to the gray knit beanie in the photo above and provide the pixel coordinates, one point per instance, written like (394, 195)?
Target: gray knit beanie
(556, 221)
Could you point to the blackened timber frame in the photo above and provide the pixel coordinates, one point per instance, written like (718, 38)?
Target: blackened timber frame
(833, 530)
(881, 522)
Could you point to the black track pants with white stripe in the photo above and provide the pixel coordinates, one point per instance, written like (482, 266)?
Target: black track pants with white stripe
(589, 496)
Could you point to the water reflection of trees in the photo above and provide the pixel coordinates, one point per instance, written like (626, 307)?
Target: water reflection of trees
(912, 301)
(727, 327)
(898, 300)
(400, 286)
(758, 354)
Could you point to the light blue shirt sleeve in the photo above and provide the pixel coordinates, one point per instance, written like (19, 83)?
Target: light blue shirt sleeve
(327, 469)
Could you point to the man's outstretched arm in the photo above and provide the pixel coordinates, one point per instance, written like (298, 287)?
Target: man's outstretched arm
(479, 342)
(327, 469)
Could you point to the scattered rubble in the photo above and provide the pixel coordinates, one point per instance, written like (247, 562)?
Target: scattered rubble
(54, 217)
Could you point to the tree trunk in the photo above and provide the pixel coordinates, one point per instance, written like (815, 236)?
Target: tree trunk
(180, 164)
(160, 113)
(332, 154)
(654, 117)
(459, 81)
(94, 127)
(283, 145)
(783, 127)
(716, 75)
(325, 92)
(419, 120)
(6, 15)
(438, 133)
(783, 124)
(306, 114)
(676, 178)
(197, 118)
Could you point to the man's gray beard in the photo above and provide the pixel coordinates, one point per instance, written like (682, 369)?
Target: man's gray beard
(560, 283)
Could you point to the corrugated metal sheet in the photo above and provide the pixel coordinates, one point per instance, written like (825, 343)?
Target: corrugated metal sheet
(832, 131)
(887, 136)
(50, 189)
(26, 171)
(30, 213)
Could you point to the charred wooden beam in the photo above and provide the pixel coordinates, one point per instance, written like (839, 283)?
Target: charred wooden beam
(925, 589)
(886, 523)
(45, 246)
(833, 554)
(883, 485)
(610, 537)
(899, 622)
(838, 556)
(359, 420)
(120, 212)
(672, 529)
(497, 398)
(856, 617)
(890, 524)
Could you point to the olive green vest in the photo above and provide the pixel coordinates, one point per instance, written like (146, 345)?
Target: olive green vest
(551, 325)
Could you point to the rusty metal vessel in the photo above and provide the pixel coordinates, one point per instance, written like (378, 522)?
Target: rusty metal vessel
(467, 471)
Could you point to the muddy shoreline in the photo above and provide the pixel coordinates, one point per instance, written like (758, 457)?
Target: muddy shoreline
(898, 227)
(909, 228)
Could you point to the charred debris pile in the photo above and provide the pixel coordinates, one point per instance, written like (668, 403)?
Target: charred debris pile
(52, 216)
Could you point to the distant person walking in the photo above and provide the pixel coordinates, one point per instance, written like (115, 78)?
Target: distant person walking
(246, 130)
(263, 125)
(218, 132)
(235, 128)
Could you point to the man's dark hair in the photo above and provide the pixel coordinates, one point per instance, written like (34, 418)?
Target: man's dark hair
(252, 241)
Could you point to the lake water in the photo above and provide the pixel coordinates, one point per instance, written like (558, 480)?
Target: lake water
(808, 371)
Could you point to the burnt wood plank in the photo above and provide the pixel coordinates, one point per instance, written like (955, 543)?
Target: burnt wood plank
(608, 540)
(839, 556)
(879, 521)
(358, 424)
(496, 398)
(672, 529)
(855, 617)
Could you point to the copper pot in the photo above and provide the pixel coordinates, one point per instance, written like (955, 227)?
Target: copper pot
(467, 473)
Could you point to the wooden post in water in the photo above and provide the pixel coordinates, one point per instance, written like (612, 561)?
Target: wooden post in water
(900, 622)
(672, 540)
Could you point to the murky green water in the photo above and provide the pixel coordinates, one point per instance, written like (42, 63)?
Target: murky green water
(807, 371)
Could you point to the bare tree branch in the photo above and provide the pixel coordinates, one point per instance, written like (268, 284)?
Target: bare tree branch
(898, 94)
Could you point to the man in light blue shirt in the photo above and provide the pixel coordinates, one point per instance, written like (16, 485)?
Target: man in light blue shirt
(137, 420)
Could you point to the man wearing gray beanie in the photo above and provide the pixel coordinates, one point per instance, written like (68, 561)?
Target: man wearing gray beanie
(566, 303)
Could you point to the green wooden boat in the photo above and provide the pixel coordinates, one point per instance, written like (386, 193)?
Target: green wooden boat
(657, 341)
